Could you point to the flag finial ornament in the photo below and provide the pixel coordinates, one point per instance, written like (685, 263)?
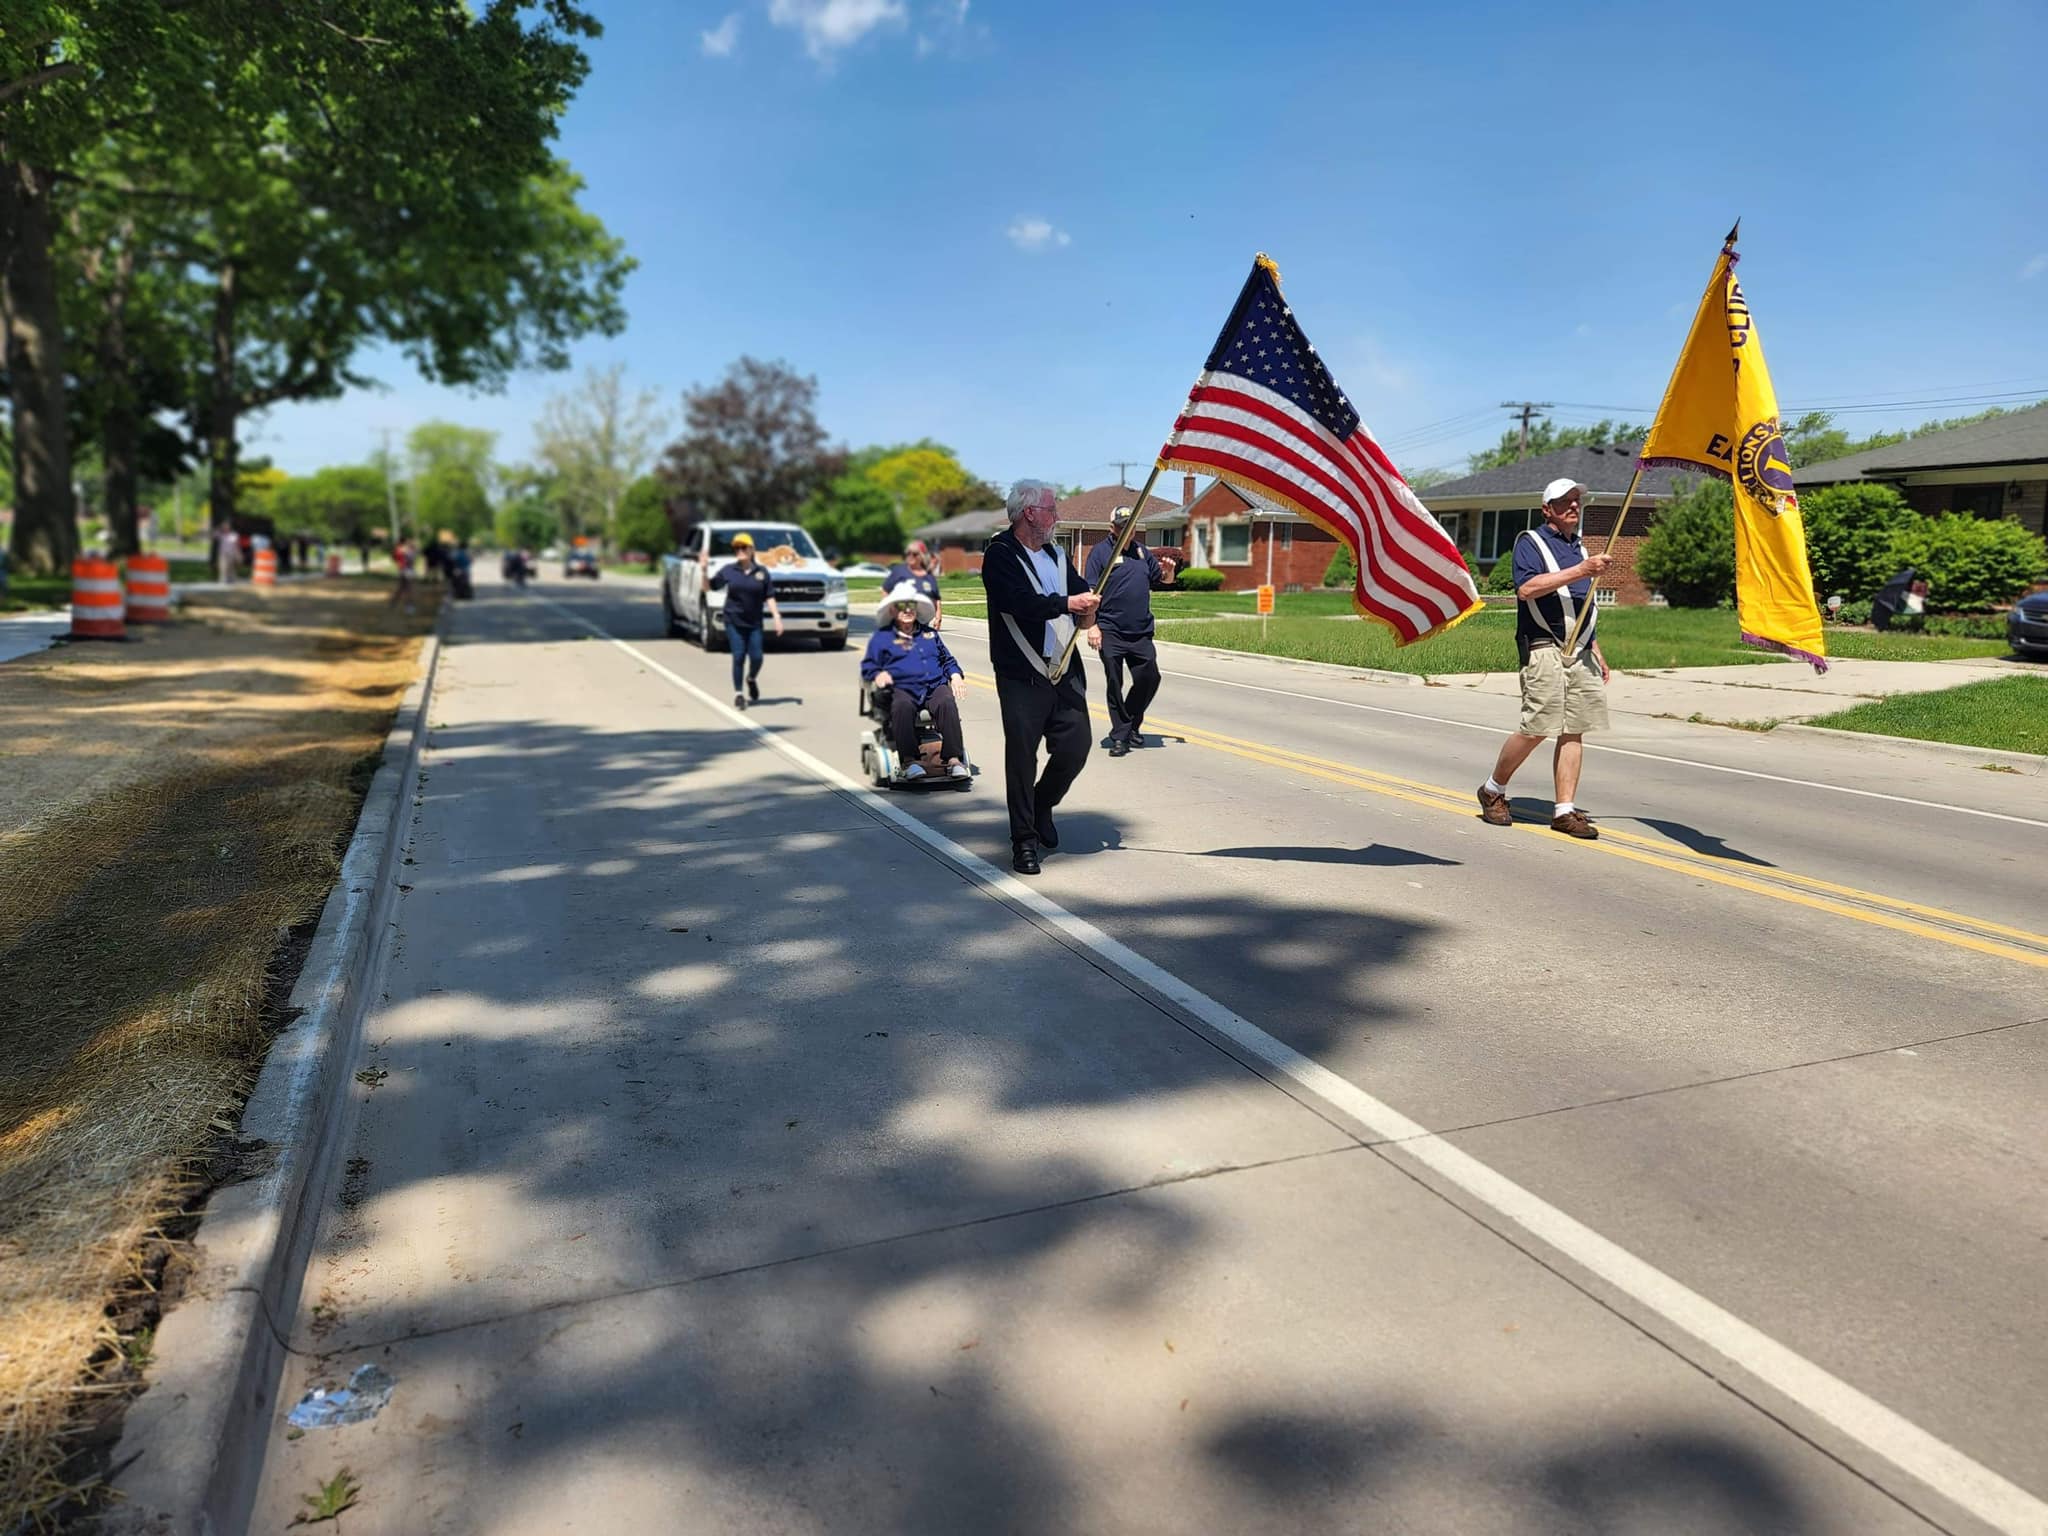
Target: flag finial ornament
(1737, 230)
(1272, 266)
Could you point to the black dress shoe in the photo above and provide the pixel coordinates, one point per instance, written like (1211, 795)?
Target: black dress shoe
(1119, 748)
(1024, 857)
(1048, 834)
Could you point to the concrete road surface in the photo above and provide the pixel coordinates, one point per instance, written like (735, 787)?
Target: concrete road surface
(735, 1152)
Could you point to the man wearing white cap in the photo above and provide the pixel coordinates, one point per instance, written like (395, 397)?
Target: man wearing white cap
(1563, 695)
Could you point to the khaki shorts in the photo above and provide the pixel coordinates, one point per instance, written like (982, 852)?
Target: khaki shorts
(1561, 698)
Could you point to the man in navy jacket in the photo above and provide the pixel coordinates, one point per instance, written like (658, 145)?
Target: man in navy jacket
(1035, 598)
(1122, 635)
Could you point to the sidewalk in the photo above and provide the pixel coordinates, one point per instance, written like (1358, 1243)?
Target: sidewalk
(1776, 690)
(727, 1162)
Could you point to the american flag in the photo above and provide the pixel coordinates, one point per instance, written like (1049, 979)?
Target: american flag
(1266, 416)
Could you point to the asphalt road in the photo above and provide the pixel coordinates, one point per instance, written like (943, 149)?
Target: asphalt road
(735, 1153)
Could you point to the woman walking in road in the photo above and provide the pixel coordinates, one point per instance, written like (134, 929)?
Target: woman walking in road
(748, 591)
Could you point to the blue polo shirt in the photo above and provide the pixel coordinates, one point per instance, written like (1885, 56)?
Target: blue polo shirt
(1543, 619)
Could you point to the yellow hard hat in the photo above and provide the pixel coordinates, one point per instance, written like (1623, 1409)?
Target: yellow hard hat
(743, 538)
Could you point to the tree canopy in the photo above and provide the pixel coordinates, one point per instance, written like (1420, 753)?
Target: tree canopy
(295, 187)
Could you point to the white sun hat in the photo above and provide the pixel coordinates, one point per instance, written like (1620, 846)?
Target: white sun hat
(905, 592)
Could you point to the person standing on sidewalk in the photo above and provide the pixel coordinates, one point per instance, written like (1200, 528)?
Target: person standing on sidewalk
(1035, 597)
(1562, 695)
(749, 590)
(228, 554)
(1122, 635)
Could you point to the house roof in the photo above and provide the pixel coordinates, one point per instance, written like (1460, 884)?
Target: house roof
(965, 525)
(2017, 437)
(1091, 509)
(1602, 471)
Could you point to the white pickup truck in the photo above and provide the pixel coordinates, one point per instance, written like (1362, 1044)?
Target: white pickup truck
(809, 593)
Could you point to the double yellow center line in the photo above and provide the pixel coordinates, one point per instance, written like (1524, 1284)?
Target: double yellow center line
(1943, 927)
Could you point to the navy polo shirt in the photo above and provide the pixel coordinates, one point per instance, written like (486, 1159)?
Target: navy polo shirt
(900, 572)
(1126, 610)
(746, 592)
(1529, 563)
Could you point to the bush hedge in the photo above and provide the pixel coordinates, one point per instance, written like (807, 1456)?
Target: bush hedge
(1849, 535)
(1200, 578)
(1969, 562)
(1341, 571)
(1690, 553)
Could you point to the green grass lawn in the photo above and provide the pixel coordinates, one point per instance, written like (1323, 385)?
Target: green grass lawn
(29, 592)
(2008, 714)
(1638, 639)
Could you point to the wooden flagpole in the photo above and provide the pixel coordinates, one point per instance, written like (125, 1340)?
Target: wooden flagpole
(1571, 647)
(1058, 669)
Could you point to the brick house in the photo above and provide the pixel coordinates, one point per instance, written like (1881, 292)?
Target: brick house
(1084, 517)
(1482, 513)
(1995, 468)
(1246, 537)
(959, 540)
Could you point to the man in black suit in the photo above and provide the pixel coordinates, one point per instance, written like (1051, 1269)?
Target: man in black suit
(1035, 598)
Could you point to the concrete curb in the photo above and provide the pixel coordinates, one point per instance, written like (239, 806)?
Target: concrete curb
(196, 1434)
(2026, 762)
(1327, 668)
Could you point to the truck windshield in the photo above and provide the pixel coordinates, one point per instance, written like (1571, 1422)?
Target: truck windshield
(766, 537)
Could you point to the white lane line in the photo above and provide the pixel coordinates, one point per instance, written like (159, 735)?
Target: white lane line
(2002, 1504)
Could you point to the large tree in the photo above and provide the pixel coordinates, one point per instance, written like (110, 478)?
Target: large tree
(378, 170)
(752, 446)
(597, 440)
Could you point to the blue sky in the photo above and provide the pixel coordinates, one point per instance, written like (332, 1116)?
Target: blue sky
(1016, 227)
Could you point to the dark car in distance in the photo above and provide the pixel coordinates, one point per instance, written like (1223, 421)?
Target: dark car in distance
(2026, 626)
(580, 562)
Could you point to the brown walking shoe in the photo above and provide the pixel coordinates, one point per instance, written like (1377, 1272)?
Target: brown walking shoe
(1574, 824)
(1493, 809)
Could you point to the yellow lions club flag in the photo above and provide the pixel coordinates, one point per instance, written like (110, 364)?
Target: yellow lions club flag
(1720, 415)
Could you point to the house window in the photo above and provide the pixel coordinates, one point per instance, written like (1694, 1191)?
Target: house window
(1498, 530)
(1287, 535)
(1978, 500)
(1454, 526)
(1233, 543)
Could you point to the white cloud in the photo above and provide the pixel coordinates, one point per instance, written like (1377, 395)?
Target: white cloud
(945, 26)
(830, 25)
(2035, 267)
(720, 41)
(1029, 234)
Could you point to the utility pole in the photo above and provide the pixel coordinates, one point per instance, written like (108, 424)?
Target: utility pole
(1123, 468)
(1525, 409)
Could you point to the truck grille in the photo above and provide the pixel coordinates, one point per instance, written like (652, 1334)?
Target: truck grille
(800, 591)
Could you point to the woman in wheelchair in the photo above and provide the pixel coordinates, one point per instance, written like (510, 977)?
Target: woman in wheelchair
(907, 658)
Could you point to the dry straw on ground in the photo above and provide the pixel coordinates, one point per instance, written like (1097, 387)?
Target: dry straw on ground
(169, 811)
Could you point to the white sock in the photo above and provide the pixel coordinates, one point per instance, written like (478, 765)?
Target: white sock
(1495, 789)
(1564, 808)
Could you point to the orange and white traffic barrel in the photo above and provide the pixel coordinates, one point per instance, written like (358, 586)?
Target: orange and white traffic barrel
(149, 589)
(266, 568)
(96, 606)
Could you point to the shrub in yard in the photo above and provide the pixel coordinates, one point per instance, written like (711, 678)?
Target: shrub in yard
(1502, 577)
(1854, 613)
(1850, 530)
(1342, 572)
(1690, 554)
(1970, 562)
(1201, 578)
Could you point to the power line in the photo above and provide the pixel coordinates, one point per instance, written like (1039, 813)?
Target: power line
(1525, 409)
